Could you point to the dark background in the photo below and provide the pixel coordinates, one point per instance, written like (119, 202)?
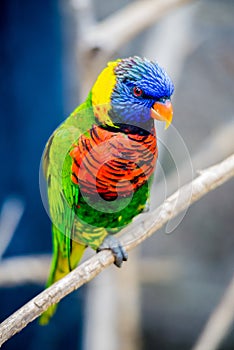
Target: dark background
(31, 106)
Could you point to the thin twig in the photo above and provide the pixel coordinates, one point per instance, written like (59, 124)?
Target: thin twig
(219, 322)
(136, 233)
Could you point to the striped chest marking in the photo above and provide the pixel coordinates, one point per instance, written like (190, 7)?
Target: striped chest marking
(112, 163)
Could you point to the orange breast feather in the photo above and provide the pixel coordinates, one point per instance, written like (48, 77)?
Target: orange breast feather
(112, 163)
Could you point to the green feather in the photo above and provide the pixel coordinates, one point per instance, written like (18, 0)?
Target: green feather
(66, 256)
(63, 196)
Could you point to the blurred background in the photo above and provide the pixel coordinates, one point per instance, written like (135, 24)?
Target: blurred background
(50, 53)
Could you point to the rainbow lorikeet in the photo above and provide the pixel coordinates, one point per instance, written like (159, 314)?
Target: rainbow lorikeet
(99, 163)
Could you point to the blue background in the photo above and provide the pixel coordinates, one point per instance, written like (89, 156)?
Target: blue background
(31, 106)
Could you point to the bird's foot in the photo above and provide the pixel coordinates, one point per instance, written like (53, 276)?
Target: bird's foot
(117, 249)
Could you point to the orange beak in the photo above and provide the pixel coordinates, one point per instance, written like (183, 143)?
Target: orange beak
(162, 111)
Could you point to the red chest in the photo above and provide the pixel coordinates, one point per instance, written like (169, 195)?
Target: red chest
(112, 163)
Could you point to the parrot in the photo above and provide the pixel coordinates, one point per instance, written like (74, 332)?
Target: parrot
(99, 163)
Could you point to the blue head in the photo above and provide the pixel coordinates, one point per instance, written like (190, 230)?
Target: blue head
(141, 85)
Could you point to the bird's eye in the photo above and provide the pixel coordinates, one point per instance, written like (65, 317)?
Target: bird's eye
(163, 99)
(137, 91)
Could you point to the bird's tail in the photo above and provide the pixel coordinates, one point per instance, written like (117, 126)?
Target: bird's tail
(66, 256)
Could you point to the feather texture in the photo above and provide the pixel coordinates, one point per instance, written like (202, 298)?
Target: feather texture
(99, 163)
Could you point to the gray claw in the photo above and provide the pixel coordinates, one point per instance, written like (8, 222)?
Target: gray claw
(117, 249)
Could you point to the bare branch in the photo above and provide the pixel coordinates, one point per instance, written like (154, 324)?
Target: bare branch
(219, 322)
(34, 268)
(24, 269)
(216, 147)
(209, 179)
(136, 233)
(119, 28)
(99, 42)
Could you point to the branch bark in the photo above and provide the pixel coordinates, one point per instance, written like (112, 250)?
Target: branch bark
(136, 233)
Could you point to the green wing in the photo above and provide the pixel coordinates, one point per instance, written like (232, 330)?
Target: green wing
(63, 197)
(62, 193)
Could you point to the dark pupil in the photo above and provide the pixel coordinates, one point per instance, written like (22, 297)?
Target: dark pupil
(137, 91)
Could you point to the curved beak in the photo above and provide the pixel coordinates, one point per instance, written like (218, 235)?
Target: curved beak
(162, 111)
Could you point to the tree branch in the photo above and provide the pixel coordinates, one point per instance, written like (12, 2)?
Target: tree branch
(18, 270)
(34, 268)
(136, 233)
(99, 41)
(126, 23)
